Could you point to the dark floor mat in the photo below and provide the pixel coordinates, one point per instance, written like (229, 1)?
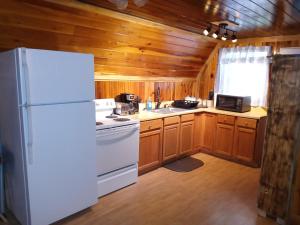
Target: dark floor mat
(185, 165)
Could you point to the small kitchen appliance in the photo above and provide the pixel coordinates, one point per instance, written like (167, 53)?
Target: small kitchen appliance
(233, 103)
(129, 104)
(117, 145)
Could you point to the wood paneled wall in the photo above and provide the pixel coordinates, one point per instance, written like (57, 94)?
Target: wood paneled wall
(145, 89)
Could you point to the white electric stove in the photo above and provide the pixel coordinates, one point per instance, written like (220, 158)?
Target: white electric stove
(117, 148)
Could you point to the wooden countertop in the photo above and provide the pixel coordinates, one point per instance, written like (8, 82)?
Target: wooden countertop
(255, 113)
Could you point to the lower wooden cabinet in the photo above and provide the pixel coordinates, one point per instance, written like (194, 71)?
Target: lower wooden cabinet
(224, 139)
(150, 152)
(171, 141)
(244, 143)
(209, 131)
(198, 124)
(186, 137)
(235, 138)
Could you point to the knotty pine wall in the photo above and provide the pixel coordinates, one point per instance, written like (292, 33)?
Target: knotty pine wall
(123, 46)
(145, 89)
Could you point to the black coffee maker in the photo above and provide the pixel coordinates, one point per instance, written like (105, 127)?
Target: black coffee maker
(132, 100)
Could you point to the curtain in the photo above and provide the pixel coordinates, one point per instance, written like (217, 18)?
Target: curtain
(244, 71)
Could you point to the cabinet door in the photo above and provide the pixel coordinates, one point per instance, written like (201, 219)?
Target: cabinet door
(186, 137)
(209, 131)
(150, 150)
(244, 143)
(198, 124)
(171, 141)
(224, 139)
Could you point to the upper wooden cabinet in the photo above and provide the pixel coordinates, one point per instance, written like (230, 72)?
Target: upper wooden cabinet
(209, 131)
(150, 153)
(186, 134)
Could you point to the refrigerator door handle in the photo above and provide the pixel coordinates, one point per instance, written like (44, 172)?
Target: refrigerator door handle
(30, 136)
(26, 76)
(27, 103)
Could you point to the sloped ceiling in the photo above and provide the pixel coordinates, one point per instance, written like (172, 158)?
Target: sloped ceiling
(121, 44)
(256, 18)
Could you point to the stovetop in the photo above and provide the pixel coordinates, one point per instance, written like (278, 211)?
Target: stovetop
(110, 121)
(106, 119)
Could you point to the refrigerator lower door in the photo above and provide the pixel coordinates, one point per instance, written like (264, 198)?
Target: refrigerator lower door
(61, 166)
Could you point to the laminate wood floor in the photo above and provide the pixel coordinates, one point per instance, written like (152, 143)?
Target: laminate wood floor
(218, 193)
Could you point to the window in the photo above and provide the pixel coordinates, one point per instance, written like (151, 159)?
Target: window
(244, 71)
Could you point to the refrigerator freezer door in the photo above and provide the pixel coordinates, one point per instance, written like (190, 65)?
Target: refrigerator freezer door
(51, 77)
(61, 156)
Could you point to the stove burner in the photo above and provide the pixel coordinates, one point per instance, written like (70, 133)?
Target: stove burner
(121, 119)
(99, 123)
(111, 116)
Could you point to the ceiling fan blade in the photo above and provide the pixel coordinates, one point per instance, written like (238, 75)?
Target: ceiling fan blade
(140, 3)
(121, 4)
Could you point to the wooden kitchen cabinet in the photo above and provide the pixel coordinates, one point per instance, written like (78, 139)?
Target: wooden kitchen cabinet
(224, 139)
(150, 152)
(224, 135)
(171, 138)
(244, 143)
(186, 134)
(209, 131)
(198, 125)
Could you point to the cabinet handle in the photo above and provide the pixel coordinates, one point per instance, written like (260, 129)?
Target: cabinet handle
(149, 127)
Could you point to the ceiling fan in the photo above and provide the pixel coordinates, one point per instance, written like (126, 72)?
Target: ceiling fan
(122, 4)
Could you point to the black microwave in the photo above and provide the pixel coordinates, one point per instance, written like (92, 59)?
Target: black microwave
(234, 103)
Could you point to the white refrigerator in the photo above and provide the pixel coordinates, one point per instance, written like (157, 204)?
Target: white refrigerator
(47, 132)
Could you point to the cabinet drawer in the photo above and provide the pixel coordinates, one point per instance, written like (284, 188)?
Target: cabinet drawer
(151, 125)
(171, 120)
(245, 122)
(187, 117)
(226, 119)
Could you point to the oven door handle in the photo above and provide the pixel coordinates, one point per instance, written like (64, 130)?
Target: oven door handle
(116, 131)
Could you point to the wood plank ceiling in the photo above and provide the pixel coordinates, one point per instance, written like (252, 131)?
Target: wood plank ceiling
(122, 45)
(256, 18)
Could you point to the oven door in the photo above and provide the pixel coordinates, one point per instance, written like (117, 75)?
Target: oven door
(117, 148)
